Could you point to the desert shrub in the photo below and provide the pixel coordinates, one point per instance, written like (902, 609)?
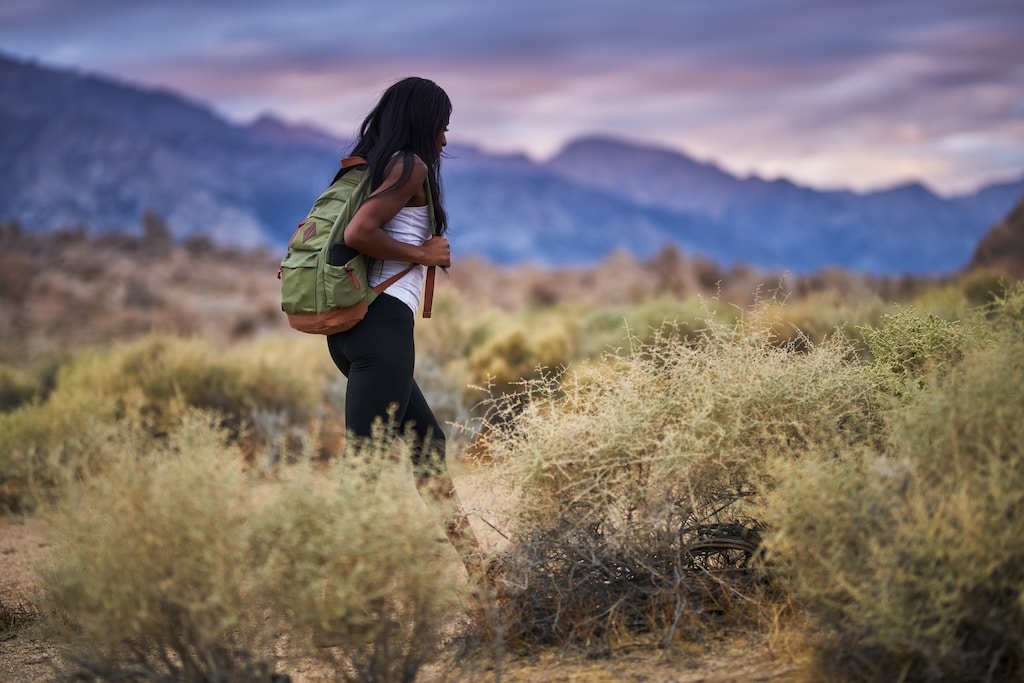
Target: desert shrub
(615, 327)
(159, 377)
(947, 300)
(911, 560)
(910, 345)
(17, 388)
(637, 491)
(39, 442)
(154, 549)
(1005, 314)
(463, 349)
(179, 564)
(160, 370)
(284, 377)
(981, 287)
(514, 350)
(818, 316)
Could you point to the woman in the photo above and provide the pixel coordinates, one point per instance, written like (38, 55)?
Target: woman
(401, 141)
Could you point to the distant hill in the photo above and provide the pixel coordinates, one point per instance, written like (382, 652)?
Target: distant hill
(84, 150)
(779, 223)
(81, 150)
(1002, 248)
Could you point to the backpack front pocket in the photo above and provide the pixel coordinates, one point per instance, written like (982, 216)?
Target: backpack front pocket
(298, 282)
(346, 285)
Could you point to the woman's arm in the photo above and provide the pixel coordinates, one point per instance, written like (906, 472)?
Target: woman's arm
(365, 231)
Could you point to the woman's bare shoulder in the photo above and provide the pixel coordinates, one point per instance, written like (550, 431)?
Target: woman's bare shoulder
(393, 181)
(398, 164)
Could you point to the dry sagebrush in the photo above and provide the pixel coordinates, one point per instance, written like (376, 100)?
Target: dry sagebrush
(178, 564)
(159, 378)
(910, 557)
(638, 485)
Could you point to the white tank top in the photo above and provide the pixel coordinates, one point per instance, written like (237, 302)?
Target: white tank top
(412, 226)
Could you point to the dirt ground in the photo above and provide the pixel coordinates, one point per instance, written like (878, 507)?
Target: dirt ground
(24, 545)
(26, 656)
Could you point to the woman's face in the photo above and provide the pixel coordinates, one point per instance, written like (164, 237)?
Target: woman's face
(442, 139)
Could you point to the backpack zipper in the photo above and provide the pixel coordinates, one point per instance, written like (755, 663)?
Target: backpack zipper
(352, 276)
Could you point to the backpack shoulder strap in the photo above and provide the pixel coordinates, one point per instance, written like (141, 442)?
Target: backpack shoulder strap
(393, 279)
(428, 290)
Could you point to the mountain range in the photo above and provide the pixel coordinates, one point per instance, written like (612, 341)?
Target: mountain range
(85, 150)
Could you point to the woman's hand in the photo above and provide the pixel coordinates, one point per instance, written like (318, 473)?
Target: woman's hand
(437, 252)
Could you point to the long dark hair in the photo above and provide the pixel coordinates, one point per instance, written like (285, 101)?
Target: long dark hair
(407, 120)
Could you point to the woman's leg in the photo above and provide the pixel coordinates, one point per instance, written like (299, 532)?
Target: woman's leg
(435, 483)
(378, 357)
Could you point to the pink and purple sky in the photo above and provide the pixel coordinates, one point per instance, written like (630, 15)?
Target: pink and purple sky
(859, 94)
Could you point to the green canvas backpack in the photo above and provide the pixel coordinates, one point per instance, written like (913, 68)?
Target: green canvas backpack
(324, 286)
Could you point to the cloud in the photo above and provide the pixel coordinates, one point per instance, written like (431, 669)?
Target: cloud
(865, 92)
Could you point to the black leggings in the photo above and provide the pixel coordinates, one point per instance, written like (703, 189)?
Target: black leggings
(378, 356)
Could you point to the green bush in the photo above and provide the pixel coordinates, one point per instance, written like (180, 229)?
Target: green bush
(160, 378)
(607, 330)
(17, 388)
(911, 558)
(176, 563)
(982, 287)
(816, 317)
(517, 349)
(910, 346)
(159, 371)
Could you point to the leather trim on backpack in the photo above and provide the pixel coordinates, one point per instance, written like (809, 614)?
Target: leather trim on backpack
(331, 322)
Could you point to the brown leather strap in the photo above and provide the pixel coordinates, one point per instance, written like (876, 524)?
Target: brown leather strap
(348, 162)
(428, 292)
(393, 279)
